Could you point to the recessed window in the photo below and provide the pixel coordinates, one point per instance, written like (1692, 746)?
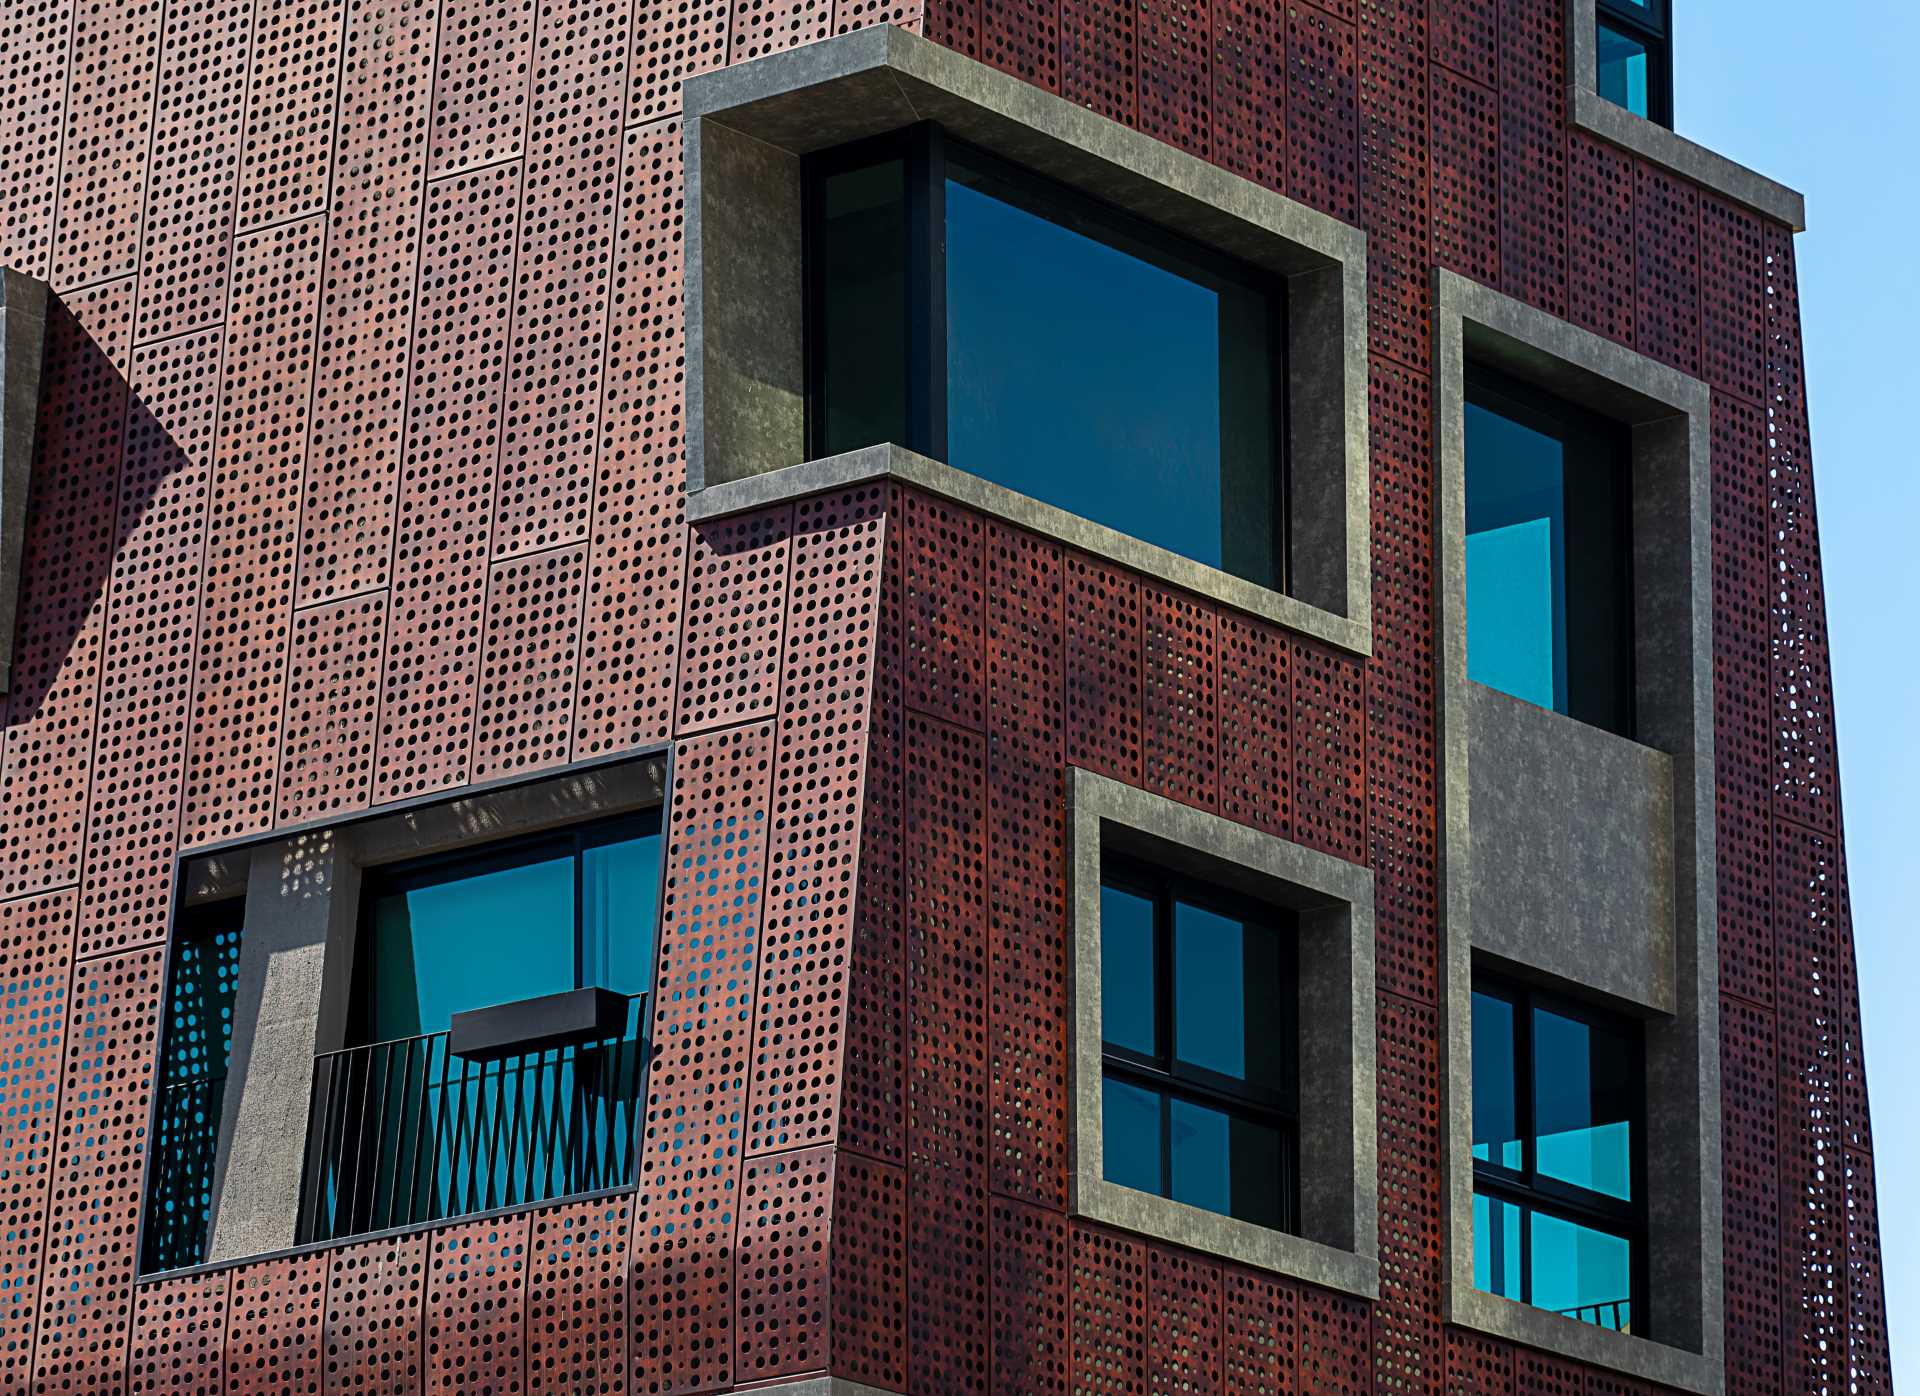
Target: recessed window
(1200, 1045)
(1548, 552)
(1635, 57)
(992, 319)
(1559, 1218)
(197, 1041)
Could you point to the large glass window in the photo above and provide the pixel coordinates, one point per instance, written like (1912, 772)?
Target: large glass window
(987, 317)
(1548, 554)
(1558, 1207)
(1200, 1043)
(1635, 57)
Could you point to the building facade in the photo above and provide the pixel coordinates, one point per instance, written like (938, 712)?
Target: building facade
(644, 754)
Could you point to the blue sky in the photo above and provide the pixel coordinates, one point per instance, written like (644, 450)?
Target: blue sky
(1822, 98)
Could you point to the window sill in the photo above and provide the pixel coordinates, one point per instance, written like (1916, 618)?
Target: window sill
(1704, 1374)
(890, 462)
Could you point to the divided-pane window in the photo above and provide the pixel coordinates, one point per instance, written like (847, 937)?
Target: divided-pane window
(990, 318)
(1548, 552)
(1199, 1023)
(1635, 57)
(1559, 1217)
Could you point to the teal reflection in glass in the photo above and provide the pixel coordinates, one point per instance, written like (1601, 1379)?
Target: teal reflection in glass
(1582, 1105)
(1130, 1135)
(1580, 1272)
(1624, 70)
(1225, 1164)
(468, 942)
(1497, 1252)
(1516, 558)
(1230, 1000)
(1496, 1119)
(619, 909)
(1127, 972)
(1108, 377)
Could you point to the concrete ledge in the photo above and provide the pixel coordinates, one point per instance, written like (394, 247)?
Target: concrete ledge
(891, 462)
(1333, 900)
(1588, 111)
(23, 333)
(747, 129)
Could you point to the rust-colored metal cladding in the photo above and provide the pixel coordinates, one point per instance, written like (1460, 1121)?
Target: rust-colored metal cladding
(359, 477)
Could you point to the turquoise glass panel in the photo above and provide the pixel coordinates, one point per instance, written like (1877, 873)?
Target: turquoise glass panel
(1497, 1262)
(1229, 1007)
(1127, 972)
(1582, 1098)
(619, 913)
(469, 942)
(1582, 1273)
(1496, 1117)
(1225, 1164)
(1623, 71)
(1130, 1135)
(1110, 380)
(1516, 559)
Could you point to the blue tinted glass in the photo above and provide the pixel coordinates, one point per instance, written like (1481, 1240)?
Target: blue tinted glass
(1582, 1089)
(1225, 1164)
(1623, 70)
(1582, 1273)
(619, 906)
(1232, 1002)
(1496, 1247)
(1496, 1121)
(1130, 1137)
(1127, 993)
(1108, 382)
(468, 942)
(860, 314)
(1515, 555)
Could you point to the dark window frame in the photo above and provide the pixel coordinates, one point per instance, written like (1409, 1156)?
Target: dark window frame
(1525, 1188)
(1163, 1072)
(479, 859)
(1652, 25)
(1591, 441)
(926, 150)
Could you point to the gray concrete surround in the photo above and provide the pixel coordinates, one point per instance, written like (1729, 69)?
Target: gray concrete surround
(1594, 114)
(1333, 899)
(747, 128)
(1585, 860)
(23, 333)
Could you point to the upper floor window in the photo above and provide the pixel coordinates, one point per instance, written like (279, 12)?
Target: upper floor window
(1025, 333)
(1635, 57)
(1559, 1218)
(1548, 547)
(1200, 1045)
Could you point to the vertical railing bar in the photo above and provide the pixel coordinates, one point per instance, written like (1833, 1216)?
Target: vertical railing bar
(419, 1129)
(400, 1129)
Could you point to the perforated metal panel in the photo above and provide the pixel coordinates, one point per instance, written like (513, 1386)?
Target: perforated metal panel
(1108, 1293)
(287, 155)
(1466, 175)
(1406, 1321)
(481, 76)
(333, 681)
(1249, 90)
(1600, 285)
(524, 718)
(1336, 1345)
(1103, 645)
(1098, 56)
(1262, 1334)
(33, 101)
(275, 1313)
(113, 57)
(869, 1271)
(179, 1336)
(786, 1204)
(1750, 1200)
(1184, 1348)
(1180, 717)
(943, 550)
(1394, 206)
(1666, 268)
(371, 1338)
(1533, 153)
(1322, 141)
(1329, 717)
(735, 598)
(1176, 73)
(578, 1328)
(476, 1307)
(1256, 725)
(1031, 1346)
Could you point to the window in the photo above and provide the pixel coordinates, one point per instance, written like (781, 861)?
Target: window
(1200, 1045)
(201, 979)
(989, 318)
(467, 930)
(1549, 600)
(1559, 1218)
(1635, 62)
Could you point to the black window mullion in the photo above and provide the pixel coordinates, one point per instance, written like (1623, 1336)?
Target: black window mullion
(927, 290)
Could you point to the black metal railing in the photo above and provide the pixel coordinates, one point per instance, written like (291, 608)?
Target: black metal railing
(1612, 1313)
(400, 1133)
(186, 1136)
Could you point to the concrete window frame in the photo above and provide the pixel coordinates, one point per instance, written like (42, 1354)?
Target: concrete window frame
(1581, 860)
(746, 129)
(1588, 111)
(294, 988)
(1339, 1186)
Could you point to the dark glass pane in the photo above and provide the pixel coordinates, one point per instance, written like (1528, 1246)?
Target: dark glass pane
(1109, 378)
(1582, 1104)
(1130, 1136)
(1232, 1006)
(1582, 1273)
(1516, 558)
(1624, 70)
(1226, 1164)
(1128, 974)
(860, 329)
(1496, 1247)
(469, 941)
(619, 908)
(1496, 1117)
